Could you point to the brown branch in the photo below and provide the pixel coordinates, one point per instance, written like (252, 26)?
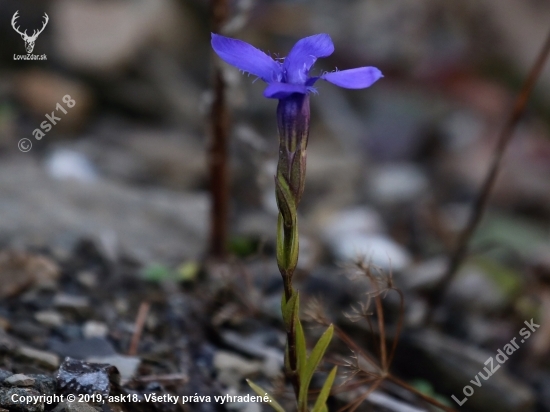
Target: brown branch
(461, 250)
(219, 171)
(351, 407)
(138, 328)
(399, 327)
(426, 398)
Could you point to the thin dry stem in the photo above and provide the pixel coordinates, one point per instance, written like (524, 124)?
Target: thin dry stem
(426, 398)
(138, 328)
(219, 170)
(356, 403)
(480, 204)
(358, 376)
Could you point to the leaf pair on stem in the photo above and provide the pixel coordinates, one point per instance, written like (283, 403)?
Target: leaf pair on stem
(305, 365)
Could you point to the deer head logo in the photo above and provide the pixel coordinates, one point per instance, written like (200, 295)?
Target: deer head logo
(29, 40)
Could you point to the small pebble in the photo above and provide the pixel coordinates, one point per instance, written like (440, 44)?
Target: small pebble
(44, 358)
(87, 279)
(20, 380)
(397, 183)
(94, 329)
(232, 368)
(70, 164)
(354, 220)
(64, 301)
(49, 318)
(379, 250)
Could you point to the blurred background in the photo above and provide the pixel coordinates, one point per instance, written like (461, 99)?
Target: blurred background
(118, 188)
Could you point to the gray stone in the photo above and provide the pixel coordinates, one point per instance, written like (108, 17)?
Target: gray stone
(65, 211)
(69, 164)
(232, 368)
(87, 279)
(354, 220)
(49, 318)
(72, 302)
(94, 329)
(355, 234)
(254, 345)
(397, 183)
(170, 160)
(47, 359)
(20, 380)
(126, 365)
(76, 376)
(378, 250)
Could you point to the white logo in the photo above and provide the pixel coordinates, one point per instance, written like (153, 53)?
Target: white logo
(29, 40)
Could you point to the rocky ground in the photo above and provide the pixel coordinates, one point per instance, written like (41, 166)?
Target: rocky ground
(106, 289)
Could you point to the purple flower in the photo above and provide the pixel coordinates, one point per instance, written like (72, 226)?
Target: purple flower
(291, 76)
(291, 83)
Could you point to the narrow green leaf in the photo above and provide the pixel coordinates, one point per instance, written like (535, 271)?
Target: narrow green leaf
(287, 358)
(285, 200)
(272, 402)
(281, 255)
(283, 302)
(301, 353)
(287, 244)
(312, 363)
(321, 402)
(294, 248)
(290, 307)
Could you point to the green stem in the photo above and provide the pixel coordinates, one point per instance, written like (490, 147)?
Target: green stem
(293, 124)
(285, 247)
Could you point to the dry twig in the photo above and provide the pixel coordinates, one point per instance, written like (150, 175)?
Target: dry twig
(219, 170)
(378, 370)
(461, 250)
(138, 327)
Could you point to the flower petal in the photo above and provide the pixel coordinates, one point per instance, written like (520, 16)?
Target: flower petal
(282, 90)
(304, 54)
(246, 57)
(354, 78)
